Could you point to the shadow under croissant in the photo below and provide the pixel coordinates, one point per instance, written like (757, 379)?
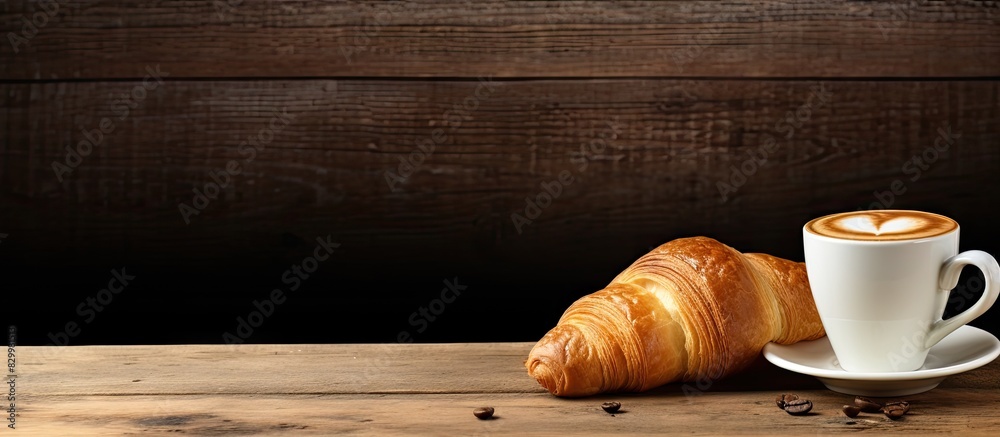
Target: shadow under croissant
(761, 375)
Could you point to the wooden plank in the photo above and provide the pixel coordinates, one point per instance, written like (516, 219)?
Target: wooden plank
(333, 369)
(270, 369)
(324, 389)
(106, 39)
(961, 411)
(669, 145)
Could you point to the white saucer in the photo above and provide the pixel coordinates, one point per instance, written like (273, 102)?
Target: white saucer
(965, 349)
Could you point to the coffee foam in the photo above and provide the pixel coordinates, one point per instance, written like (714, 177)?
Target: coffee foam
(885, 225)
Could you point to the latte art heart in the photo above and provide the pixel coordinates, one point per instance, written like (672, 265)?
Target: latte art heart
(882, 225)
(865, 224)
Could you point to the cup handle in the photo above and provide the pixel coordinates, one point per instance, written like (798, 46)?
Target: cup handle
(949, 279)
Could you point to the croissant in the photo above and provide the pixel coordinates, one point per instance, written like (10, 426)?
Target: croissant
(692, 308)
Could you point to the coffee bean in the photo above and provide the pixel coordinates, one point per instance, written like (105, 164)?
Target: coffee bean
(483, 412)
(867, 405)
(899, 404)
(895, 410)
(798, 407)
(851, 410)
(611, 407)
(783, 399)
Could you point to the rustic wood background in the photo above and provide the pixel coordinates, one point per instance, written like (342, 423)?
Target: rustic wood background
(673, 94)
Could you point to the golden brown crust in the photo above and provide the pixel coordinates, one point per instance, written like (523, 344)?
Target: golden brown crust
(691, 308)
(797, 309)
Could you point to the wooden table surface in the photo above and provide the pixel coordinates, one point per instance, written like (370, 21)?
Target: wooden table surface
(406, 389)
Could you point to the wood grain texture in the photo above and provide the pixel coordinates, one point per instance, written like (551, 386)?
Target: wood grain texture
(646, 156)
(277, 369)
(403, 390)
(105, 39)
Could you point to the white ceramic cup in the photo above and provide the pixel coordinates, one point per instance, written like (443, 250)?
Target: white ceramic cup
(882, 301)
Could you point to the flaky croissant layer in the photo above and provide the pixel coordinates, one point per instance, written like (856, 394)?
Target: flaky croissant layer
(691, 308)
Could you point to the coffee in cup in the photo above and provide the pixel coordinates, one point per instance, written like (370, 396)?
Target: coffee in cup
(881, 280)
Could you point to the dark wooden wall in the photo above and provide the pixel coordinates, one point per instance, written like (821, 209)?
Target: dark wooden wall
(647, 106)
